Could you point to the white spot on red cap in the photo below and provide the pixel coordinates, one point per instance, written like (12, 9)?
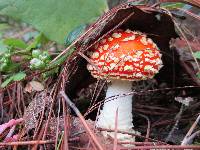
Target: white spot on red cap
(128, 68)
(138, 75)
(155, 46)
(102, 57)
(134, 59)
(129, 38)
(138, 53)
(143, 40)
(110, 39)
(116, 60)
(115, 47)
(128, 31)
(105, 47)
(113, 66)
(147, 59)
(136, 64)
(105, 68)
(116, 35)
(101, 63)
(148, 67)
(149, 41)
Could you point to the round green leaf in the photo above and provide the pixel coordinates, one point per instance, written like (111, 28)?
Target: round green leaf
(52, 17)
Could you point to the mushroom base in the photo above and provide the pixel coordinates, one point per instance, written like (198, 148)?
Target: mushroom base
(122, 103)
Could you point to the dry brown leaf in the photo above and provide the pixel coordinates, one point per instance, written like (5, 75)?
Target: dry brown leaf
(34, 86)
(35, 108)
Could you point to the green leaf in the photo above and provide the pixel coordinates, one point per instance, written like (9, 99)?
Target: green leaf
(197, 54)
(172, 6)
(16, 77)
(61, 59)
(38, 40)
(6, 82)
(17, 43)
(54, 18)
(54, 66)
(19, 76)
(74, 34)
(11, 67)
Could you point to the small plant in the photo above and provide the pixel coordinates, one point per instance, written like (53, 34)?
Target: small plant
(40, 59)
(21, 56)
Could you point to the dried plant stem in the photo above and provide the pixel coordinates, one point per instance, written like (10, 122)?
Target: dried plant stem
(140, 143)
(148, 127)
(189, 134)
(166, 147)
(65, 144)
(58, 123)
(11, 123)
(177, 118)
(27, 143)
(75, 109)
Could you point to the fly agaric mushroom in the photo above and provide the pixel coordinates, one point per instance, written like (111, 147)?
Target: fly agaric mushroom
(122, 57)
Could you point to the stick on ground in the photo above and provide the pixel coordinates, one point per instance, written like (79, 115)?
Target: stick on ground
(75, 109)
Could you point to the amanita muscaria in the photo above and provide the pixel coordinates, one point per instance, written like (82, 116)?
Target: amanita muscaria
(122, 57)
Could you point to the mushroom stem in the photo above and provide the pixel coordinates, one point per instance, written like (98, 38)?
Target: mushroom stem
(106, 119)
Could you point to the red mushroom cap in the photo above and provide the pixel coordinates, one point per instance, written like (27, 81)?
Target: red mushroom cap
(126, 55)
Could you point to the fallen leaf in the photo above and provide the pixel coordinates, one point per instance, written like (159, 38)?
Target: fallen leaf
(34, 86)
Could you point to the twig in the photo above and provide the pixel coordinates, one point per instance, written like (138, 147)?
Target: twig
(148, 127)
(191, 138)
(75, 109)
(58, 123)
(11, 123)
(26, 143)
(177, 118)
(140, 143)
(11, 132)
(65, 143)
(167, 147)
(187, 138)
